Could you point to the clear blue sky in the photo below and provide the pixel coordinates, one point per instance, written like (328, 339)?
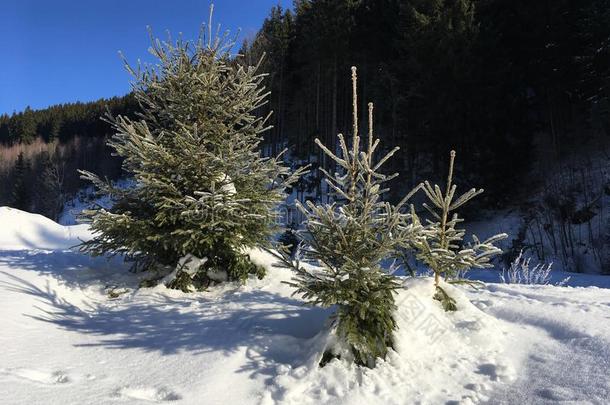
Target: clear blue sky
(57, 51)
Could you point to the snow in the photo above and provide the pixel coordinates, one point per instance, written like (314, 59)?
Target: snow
(561, 335)
(188, 264)
(76, 329)
(87, 198)
(227, 185)
(439, 358)
(22, 231)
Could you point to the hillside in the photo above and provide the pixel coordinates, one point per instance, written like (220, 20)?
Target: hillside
(41, 151)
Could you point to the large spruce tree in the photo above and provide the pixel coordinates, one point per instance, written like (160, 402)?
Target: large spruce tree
(202, 193)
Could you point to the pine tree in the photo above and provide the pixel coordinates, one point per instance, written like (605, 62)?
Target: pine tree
(202, 190)
(348, 238)
(50, 190)
(21, 198)
(440, 244)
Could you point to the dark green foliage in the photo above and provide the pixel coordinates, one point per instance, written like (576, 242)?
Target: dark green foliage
(238, 266)
(64, 121)
(489, 78)
(290, 240)
(21, 197)
(201, 186)
(273, 41)
(446, 301)
(365, 307)
(50, 187)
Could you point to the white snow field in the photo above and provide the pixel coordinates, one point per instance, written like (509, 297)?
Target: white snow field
(65, 340)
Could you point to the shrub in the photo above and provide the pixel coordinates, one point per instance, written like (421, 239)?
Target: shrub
(520, 272)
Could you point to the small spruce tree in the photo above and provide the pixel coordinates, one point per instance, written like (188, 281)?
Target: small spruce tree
(202, 193)
(348, 238)
(440, 247)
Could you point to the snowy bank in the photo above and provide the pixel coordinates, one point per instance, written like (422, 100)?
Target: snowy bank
(77, 330)
(21, 230)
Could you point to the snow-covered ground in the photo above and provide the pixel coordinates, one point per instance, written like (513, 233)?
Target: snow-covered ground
(21, 230)
(77, 330)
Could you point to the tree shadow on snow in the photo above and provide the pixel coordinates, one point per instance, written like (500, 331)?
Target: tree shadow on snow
(273, 330)
(70, 267)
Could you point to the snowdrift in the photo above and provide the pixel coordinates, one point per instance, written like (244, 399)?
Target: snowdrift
(21, 230)
(78, 330)
(440, 357)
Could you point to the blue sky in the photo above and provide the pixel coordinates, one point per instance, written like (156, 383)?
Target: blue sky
(67, 50)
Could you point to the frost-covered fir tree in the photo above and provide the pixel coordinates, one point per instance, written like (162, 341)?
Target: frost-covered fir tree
(347, 239)
(440, 246)
(202, 193)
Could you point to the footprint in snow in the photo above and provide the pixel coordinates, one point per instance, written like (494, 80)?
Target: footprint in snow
(496, 372)
(555, 394)
(469, 325)
(39, 376)
(151, 394)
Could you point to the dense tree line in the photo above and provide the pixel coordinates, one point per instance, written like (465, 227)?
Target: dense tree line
(63, 121)
(493, 79)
